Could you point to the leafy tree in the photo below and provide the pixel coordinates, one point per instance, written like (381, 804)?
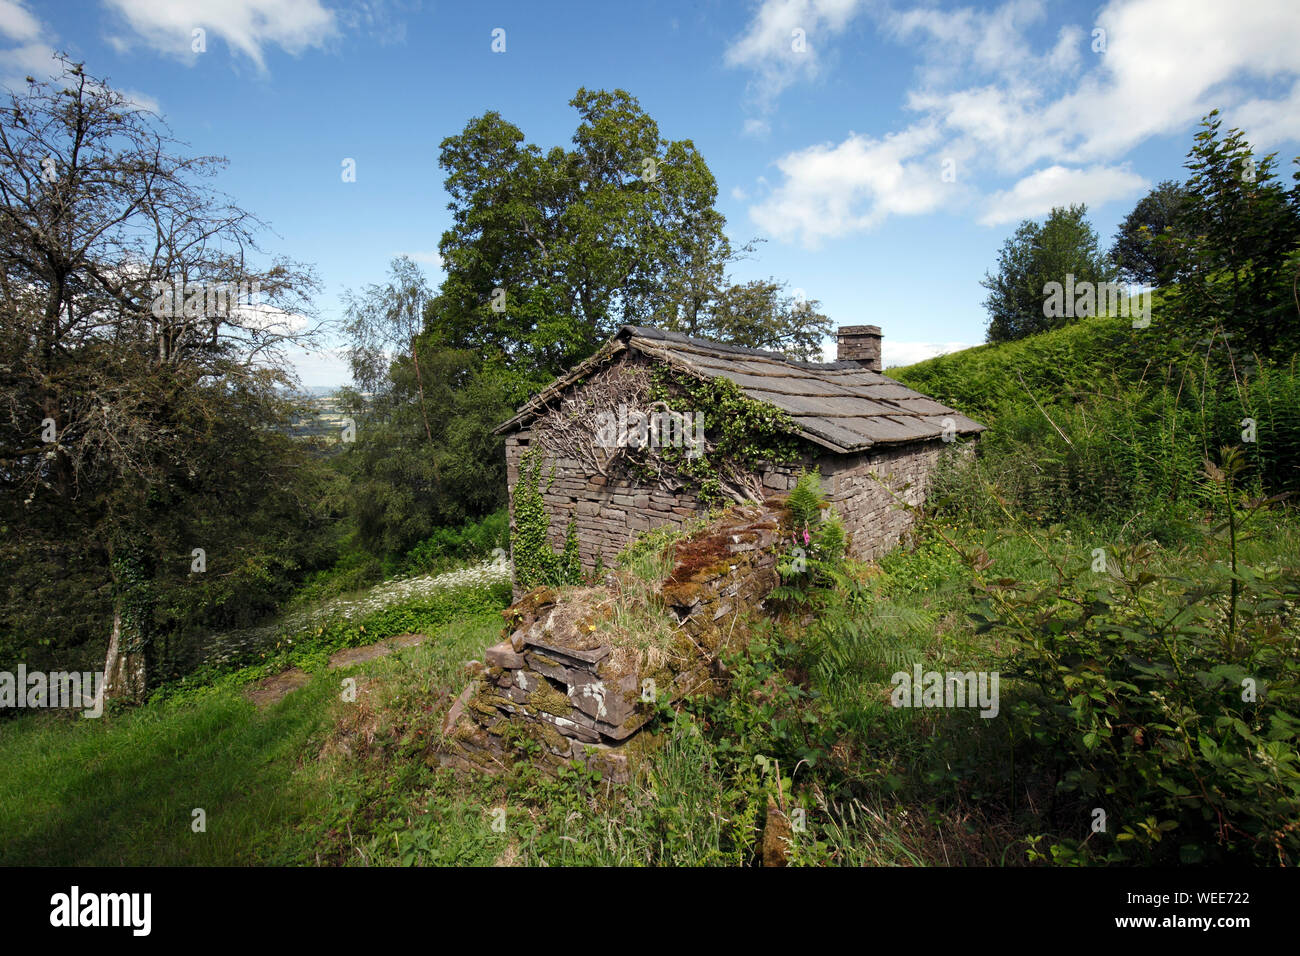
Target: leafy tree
(134, 355)
(761, 314)
(1064, 245)
(577, 241)
(1235, 262)
(548, 253)
(1138, 252)
(404, 483)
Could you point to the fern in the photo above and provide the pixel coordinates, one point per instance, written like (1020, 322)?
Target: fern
(805, 500)
(859, 639)
(815, 564)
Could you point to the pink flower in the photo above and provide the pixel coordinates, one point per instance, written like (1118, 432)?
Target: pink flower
(806, 536)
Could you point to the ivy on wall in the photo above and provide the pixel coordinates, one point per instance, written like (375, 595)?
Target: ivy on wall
(741, 434)
(536, 562)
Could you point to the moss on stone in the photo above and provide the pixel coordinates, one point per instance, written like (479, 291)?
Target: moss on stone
(547, 698)
(552, 737)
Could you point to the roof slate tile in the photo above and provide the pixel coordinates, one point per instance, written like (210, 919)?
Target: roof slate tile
(839, 405)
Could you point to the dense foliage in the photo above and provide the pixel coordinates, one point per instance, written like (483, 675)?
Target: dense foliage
(145, 487)
(1064, 245)
(1137, 251)
(1236, 252)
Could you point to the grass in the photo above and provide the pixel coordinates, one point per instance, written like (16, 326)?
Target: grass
(121, 790)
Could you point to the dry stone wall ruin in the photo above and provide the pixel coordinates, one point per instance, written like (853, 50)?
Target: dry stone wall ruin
(564, 685)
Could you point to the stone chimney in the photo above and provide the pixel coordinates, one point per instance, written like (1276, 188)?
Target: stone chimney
(861, 344)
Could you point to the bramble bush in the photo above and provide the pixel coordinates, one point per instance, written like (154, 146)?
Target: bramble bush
(1167, 703)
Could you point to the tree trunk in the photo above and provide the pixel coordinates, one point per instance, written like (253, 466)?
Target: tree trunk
(130, 646)
(124, 674)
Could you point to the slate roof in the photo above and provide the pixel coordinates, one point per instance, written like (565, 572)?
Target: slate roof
(839, 405)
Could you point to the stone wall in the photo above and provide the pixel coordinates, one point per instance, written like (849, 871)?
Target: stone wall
(608, 514)
(568, 685)
(868, 490)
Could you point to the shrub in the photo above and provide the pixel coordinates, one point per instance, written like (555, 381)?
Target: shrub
(452, 546)
(1167, 703)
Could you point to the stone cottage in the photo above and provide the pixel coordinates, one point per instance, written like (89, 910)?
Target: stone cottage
(602, 430)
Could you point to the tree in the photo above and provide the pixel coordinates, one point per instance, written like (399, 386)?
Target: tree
(384, 320)
(1064, 248)
(1234, 260)
(141, 342)
(761, 314)
(548, 253)
(405, 485)
(1138, 252)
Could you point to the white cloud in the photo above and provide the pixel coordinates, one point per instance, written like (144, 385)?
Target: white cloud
(17, 23)
(247, 26)
(258, 316)
(430, 258)
(1166, 63)
(906, 353)
(894, 353)
(379, 19)
(320, 367)
(782, 43)
(142, 101)
(33, 55)
(829, 191)
(1034, 196)
(1061, 119)
(1266, 122)
(30, 59)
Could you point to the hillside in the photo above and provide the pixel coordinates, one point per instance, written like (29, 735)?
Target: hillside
(1119, 418)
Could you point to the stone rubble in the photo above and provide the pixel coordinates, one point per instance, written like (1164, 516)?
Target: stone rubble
(559, 689)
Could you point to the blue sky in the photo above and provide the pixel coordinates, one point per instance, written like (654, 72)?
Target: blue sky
(884, 150)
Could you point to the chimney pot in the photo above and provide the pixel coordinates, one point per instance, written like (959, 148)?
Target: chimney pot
(859, 343)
